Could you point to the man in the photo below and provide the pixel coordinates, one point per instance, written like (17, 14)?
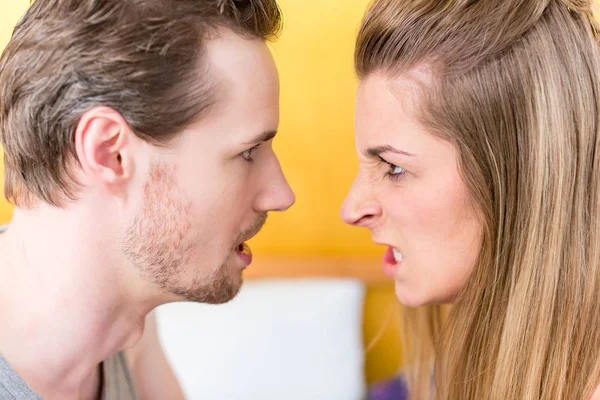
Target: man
(138, 152)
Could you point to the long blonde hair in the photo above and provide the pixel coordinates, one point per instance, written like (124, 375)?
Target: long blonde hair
(515, 86)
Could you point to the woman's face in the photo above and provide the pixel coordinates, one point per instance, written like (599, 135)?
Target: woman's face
(409, 193)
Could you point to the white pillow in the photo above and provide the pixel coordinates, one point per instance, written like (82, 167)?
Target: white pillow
(278, 340)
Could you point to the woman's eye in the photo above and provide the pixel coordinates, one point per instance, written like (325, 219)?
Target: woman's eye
(394, 172)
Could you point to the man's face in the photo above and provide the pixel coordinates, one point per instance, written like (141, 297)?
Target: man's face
(210, 191)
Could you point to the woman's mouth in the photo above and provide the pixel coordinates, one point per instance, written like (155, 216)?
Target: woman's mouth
(391, 261)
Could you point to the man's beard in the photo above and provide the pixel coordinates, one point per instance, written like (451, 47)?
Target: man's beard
(159, 244)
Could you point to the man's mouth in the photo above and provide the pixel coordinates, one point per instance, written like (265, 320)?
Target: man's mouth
(244, 252)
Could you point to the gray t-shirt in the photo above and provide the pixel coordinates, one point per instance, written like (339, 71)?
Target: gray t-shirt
(117, 383)
(12, 386)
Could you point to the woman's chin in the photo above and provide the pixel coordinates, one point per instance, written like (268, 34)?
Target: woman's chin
(412, 297)
(407, 296)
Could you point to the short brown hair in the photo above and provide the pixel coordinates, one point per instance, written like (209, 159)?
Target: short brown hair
(138, 57)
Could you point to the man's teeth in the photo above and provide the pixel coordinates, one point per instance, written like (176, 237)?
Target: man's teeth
(244, 248)
(397, 255)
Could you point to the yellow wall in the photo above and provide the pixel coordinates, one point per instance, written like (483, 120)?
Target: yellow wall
(315, 57)
(315, 145)
(316, 148)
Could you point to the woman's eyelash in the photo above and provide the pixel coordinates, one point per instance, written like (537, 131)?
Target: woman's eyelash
(395, 172)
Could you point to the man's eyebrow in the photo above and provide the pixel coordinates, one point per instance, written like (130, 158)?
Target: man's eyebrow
(376, 152)
(262, 137)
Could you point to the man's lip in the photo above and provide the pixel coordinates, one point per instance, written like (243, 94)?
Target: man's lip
(244, 252)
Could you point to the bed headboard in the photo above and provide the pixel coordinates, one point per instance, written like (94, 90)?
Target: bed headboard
(381, 317)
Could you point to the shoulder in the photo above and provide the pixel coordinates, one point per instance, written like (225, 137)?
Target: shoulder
(392, 389)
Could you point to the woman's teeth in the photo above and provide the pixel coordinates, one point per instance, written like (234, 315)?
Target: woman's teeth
(397, 255)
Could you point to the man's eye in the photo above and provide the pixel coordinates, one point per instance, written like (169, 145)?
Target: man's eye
(248, 154)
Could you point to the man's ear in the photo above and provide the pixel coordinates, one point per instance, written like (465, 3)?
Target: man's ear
(102, 139)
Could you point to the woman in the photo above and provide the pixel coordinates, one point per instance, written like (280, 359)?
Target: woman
(477, 130)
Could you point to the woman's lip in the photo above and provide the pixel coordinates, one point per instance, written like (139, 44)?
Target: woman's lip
(389, 263)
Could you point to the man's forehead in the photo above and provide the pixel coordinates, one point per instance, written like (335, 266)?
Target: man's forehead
(239, 60)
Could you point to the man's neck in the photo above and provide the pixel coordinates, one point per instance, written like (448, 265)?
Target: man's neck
(64, 303)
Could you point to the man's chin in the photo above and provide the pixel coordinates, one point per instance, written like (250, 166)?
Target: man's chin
(223, 288)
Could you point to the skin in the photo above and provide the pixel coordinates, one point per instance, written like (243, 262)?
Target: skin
(596, 395)
(151, 225)
(409, 193)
